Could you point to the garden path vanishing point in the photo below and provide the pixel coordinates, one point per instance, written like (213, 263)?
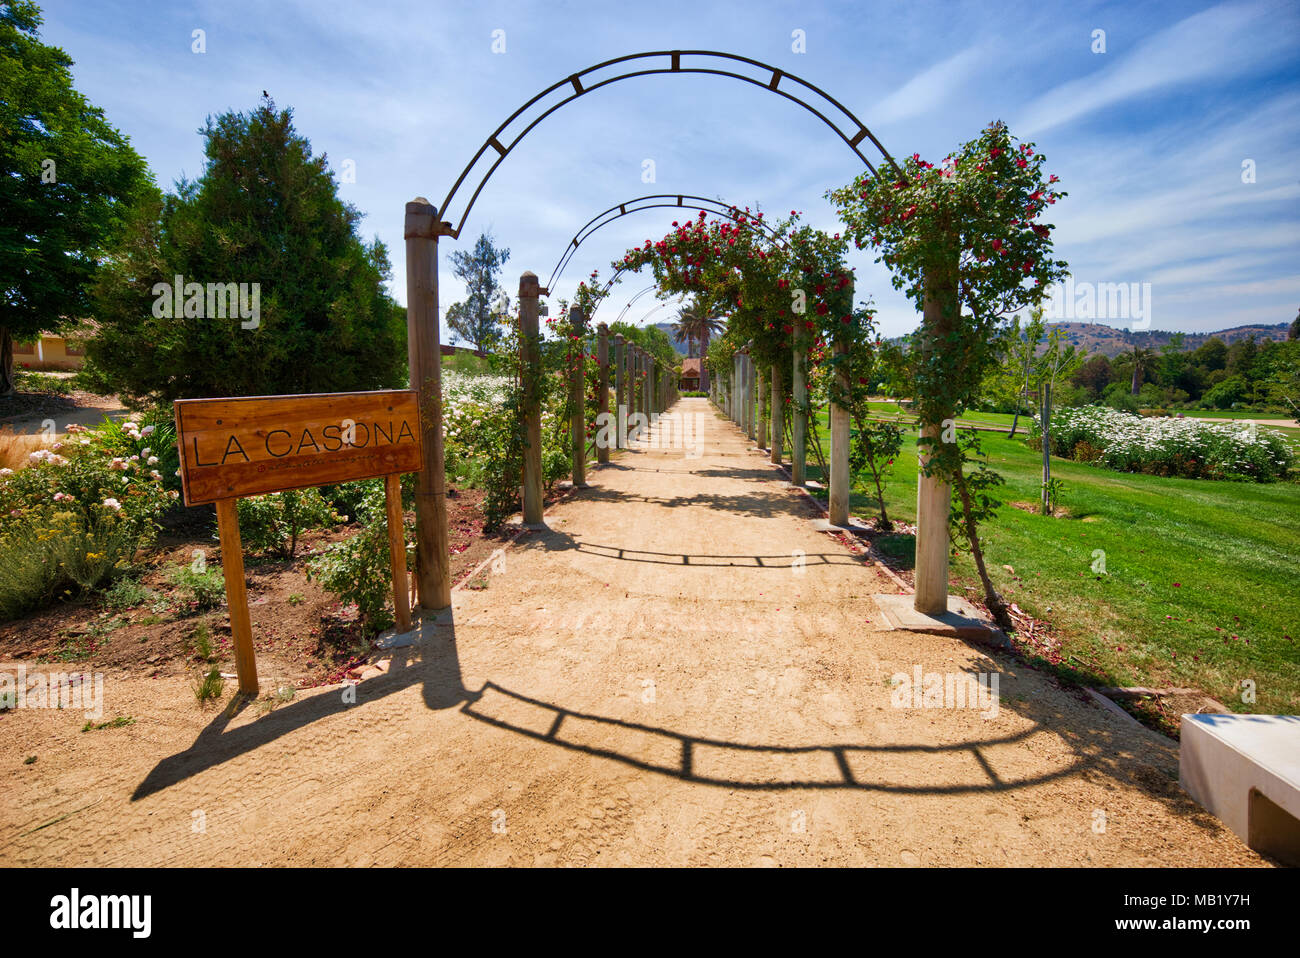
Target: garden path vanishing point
(649, 682)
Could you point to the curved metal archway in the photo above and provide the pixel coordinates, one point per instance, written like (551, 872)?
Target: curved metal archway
(651, 202)
(703, 203)
(824, 104)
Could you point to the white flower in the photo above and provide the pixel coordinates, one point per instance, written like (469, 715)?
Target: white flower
(6, 472)
(113, 504)
(146, 432)
(153, 460)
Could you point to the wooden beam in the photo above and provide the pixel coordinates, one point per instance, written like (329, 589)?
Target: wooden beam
(232, 567)
(397, 550)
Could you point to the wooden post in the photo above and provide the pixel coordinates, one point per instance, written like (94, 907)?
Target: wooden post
(397, 550)
(578, 397)
(741, 420)
(838, 496)
(647, 383)
(619, 397)
(530, 362)
(232, 567)
(747, 397)
(1045, 431)
(733, 390)
(799, 400)
(433, 554)
(778, 413)
(933, 497)
(602, 389)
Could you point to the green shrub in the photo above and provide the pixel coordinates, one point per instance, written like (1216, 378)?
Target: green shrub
(1226, 394)
(199, 590)
(30, 381)
(357, 570)
(47, 554)
(346, 498)
(125, 592)
(273, 523)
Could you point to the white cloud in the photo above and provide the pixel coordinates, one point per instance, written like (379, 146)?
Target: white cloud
(1218, 42)
(931, 87)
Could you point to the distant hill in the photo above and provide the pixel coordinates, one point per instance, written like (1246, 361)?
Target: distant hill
(1093, 338)
(668, 331)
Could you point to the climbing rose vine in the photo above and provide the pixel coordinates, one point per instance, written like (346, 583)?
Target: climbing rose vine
(970, 234)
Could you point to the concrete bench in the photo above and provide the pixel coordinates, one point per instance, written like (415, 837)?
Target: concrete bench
(1245, 769)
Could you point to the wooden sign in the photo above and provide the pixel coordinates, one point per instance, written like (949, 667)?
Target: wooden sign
(230, 448)
(247, 447)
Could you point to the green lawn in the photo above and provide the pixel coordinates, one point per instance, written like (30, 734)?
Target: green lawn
(1190, 564)
(1235, 414)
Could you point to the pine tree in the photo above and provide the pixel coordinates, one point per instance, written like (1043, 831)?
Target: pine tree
(265, 217)
(479, 315)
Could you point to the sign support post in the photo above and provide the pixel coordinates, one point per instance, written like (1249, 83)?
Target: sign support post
(232, 567)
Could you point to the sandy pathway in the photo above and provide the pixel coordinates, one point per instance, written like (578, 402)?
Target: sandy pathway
(680, 671)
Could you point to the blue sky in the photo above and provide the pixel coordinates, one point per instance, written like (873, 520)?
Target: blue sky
(1149, 137)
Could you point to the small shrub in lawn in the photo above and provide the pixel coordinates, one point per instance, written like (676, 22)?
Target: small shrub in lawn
(199, 590)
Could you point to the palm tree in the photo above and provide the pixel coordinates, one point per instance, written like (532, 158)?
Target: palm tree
(684, 330)
(1142, 360)
(695, 325)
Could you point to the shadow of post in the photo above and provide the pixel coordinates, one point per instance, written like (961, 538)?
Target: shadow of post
(434, 663)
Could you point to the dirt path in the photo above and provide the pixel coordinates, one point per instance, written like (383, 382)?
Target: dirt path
(679, 671)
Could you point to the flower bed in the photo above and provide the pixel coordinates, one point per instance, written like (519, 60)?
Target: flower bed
(1170, 447)
(76, 514)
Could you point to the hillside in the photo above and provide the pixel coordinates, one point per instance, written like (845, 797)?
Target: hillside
(668, 331)
(1095, 338)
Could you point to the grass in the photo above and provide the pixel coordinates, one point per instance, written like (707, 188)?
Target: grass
(125, 593)
(1236, 414)
(202, 644)
(118, 722)
(201, 590)
(1200, 580)
(17, 447)
(208, 686)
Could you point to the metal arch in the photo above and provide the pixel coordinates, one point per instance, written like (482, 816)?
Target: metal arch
(628, 305)
(828, 104)
(717, 207)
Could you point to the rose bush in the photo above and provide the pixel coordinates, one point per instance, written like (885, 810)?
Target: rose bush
(78, 512)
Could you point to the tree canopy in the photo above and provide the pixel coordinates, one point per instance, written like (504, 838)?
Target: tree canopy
(264, 221)
(67, 180)
(478, 317)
